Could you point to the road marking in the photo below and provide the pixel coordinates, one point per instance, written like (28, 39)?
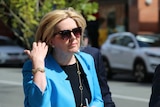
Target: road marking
(10, 82)
(113, 95)
(130, 98)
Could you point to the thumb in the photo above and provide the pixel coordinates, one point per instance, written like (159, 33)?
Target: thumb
(27, 52)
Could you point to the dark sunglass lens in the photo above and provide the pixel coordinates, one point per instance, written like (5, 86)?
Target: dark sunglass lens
(65, 34)
(77, 31)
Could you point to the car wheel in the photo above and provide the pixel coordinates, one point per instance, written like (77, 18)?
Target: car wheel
(107, 68)
(140, 72)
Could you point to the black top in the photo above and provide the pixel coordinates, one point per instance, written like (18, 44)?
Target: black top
(71, 71)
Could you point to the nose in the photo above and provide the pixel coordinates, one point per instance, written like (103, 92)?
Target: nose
(72, 35)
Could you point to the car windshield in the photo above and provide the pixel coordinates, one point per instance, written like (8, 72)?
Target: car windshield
(148, 40)
(6, 42)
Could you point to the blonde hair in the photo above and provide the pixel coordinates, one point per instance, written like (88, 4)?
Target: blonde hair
(47, 25)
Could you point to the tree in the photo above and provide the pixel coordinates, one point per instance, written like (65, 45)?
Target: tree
(23, 16)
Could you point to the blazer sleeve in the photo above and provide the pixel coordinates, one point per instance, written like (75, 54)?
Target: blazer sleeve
(33, 95)
(155, 94)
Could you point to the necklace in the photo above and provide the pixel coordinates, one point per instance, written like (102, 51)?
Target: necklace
(80, 83)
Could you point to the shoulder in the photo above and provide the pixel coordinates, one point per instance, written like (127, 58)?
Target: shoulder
(84, 56)
(89, 49)
(92, 51)
(85, 59)
(157, 70)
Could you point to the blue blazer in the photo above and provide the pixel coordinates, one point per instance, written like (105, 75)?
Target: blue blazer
(58, 92)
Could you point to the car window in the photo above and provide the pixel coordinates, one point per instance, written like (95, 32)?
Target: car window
(127, 40)
(121, 40)
(4, 42)
(117, 40)
(148, 40)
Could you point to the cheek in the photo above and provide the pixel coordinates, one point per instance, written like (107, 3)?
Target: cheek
(79, 41)
(59, 44)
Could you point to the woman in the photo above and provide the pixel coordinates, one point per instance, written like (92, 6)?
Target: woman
(61, 76)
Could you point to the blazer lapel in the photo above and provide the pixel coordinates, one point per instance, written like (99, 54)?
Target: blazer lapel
(86, 69)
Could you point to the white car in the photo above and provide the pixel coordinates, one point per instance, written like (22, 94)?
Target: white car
(11, 53)
(136, 54)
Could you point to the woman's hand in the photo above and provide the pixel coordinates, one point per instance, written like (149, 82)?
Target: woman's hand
(38, 53)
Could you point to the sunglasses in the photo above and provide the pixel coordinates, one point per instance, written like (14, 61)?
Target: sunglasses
(66, 34)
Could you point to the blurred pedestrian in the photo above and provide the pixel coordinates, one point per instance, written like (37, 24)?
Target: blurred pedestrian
(102, 75)
(58, 74)
(111, 22)
(92, 28)
(155, 94)
(86, 41)
(102, 31)
(100, 70)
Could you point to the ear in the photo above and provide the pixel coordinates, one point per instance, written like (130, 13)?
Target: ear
(51, 42)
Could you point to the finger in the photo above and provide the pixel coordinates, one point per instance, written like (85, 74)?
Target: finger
(27, 52)
(43, 44)
(40, 44)
(46, 48)
(34, 45)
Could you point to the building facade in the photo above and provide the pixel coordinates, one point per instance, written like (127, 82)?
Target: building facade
(136, 16)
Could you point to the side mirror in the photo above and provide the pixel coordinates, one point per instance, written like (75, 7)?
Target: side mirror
(131, 45)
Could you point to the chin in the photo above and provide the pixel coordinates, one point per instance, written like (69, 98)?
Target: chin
(74, 50)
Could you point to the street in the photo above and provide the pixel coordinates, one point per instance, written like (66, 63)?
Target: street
(128, 93)
(125, 92)
(11, 93)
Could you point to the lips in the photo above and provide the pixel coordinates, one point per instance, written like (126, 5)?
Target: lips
(73, 44)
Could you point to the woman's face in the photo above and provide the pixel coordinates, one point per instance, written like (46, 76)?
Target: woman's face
(67, 36)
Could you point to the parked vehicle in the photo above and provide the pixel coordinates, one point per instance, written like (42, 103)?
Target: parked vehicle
(11, 53)
(136, 54)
